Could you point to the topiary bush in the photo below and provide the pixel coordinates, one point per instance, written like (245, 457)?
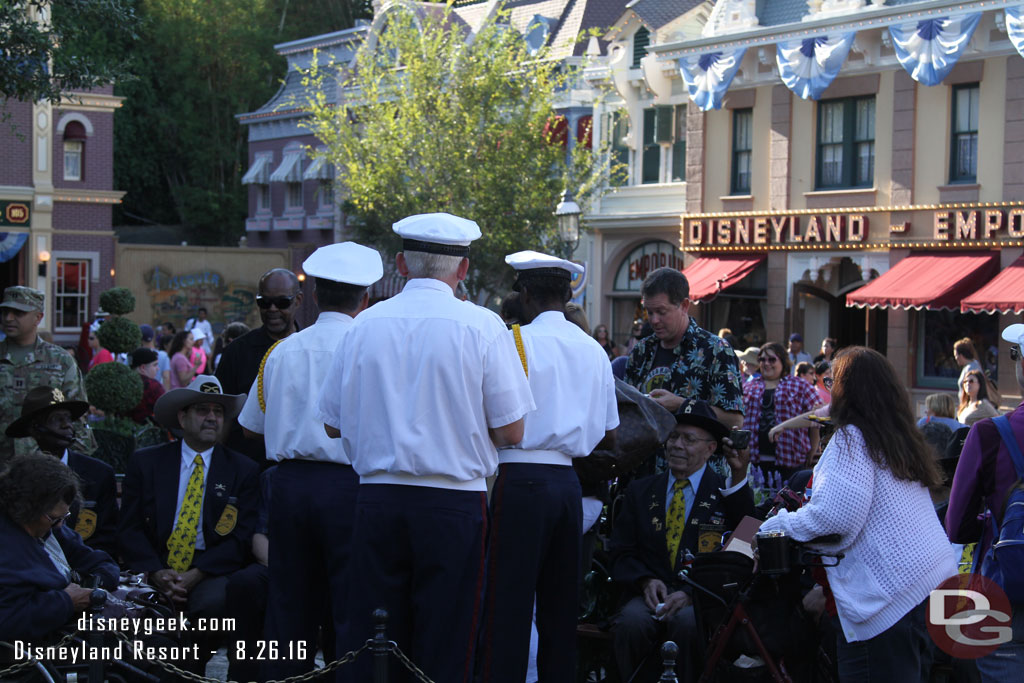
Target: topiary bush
(114, 388)
(119, 335)
(117, 301)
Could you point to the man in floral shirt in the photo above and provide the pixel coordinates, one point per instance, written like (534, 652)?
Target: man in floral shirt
(681, 360)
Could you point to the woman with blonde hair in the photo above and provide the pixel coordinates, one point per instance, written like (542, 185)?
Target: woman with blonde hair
(974, 400)
(940, 408)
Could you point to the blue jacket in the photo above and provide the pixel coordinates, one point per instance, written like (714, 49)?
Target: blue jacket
(33, 602)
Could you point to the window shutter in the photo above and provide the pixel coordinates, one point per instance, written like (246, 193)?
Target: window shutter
(641, 39)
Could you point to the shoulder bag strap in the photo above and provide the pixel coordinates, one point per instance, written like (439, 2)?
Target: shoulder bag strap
(520, 348)
(1002, 423)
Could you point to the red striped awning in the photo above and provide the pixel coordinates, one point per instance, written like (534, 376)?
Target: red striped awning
(710, 275)
(935, 281)
(1004, 294)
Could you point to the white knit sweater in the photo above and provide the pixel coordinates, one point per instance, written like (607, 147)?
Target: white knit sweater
(896, 550)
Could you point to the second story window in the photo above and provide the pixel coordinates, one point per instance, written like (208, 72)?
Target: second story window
(293, 196)
(641, 39)
(74, 150)
(664, 143)
(742, 146)
(846, 143)
(964, 155)
(326, 194)
(263, 197)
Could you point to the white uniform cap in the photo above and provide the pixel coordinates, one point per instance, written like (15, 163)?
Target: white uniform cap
(534, 260)
(1015, 334)
(437, 233)
(347, 262)
(197, 334)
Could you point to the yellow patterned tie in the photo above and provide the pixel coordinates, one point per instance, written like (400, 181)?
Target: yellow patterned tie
(181, 544)
(675, 520)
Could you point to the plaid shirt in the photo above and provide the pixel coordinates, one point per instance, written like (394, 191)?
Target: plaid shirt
(705, 368)
(793, 397)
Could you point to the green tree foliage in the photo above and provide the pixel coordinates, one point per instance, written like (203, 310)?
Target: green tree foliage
(50, 47)
(114, 388)
(117, 301)
(180, 152)
(431, 120)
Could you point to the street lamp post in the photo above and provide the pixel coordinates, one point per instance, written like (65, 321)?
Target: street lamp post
(568, 215)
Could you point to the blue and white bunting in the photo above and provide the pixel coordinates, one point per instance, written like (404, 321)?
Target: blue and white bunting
(808, 66)
(709, 75)
(10, 244)
(1015, 27)
(929, 49)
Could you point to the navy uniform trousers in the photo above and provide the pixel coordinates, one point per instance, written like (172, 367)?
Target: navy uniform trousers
(310, 531)
(533, 548)
(418, 552)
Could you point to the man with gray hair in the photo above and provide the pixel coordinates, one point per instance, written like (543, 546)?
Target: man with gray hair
(423, 390)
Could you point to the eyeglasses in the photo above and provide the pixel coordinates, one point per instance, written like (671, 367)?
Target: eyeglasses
(58, 520)
(767, 360)
(827, 382)
(688, 439)
(1015, 353)
(281, 302)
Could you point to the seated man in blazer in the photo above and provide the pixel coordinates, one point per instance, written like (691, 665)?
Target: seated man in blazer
(189, 508)
(664, 519)
(49, 419)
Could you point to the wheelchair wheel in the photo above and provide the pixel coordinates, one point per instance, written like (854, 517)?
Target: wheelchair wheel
(39, 672)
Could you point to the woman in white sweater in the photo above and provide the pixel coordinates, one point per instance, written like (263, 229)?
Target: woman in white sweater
(871, 489)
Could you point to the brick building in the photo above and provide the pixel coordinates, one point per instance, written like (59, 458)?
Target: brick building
(56, 196)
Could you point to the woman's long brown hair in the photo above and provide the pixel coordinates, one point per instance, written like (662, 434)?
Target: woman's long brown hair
(867, 394)
(965, 398)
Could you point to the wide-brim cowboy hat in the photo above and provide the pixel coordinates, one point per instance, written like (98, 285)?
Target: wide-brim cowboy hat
(202, 389)
(38, 402)
(700, 414)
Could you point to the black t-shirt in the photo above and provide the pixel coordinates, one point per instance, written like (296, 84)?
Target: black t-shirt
(764, 444)
(661, 371)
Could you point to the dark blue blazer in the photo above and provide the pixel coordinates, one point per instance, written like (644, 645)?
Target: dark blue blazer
(99, 494)
(33, 602)
(638, 547)
(149, 498)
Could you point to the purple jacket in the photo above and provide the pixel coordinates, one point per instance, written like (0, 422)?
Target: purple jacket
(983, 477)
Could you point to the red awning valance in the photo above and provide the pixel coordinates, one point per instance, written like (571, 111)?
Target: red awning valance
(1004, 294)
(936, 281)
(710, 275)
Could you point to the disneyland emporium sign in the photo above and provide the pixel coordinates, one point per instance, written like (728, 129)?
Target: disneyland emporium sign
(785, 229)
(980, 224)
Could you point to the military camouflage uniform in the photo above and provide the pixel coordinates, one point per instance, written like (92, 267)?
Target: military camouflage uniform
(46, 365)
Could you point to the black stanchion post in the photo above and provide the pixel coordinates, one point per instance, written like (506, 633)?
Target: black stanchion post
(669, 652)
(380, 647)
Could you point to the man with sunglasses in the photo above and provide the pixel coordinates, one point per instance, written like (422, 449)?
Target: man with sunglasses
(983, 480)
(278, 297)
(314, 486)
(665, 520)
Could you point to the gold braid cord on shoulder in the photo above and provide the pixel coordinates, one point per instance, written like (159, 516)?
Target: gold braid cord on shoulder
(519, 347)
(259, 377)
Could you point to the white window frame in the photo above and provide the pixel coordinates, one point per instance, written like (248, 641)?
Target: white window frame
(74, 152)
(90, 259)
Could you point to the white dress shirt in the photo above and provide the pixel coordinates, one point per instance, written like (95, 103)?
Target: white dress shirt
(421, 378)
(292, 378)
(188, 457)
(572, 383)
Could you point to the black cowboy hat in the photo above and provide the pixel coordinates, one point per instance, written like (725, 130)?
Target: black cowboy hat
(38, 402)
(700, 414)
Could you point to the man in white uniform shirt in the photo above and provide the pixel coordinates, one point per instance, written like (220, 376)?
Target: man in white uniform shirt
(536, 509)
(423, 390)
(313, 488)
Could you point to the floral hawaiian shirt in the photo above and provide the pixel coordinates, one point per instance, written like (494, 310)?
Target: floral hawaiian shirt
(704, 368)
